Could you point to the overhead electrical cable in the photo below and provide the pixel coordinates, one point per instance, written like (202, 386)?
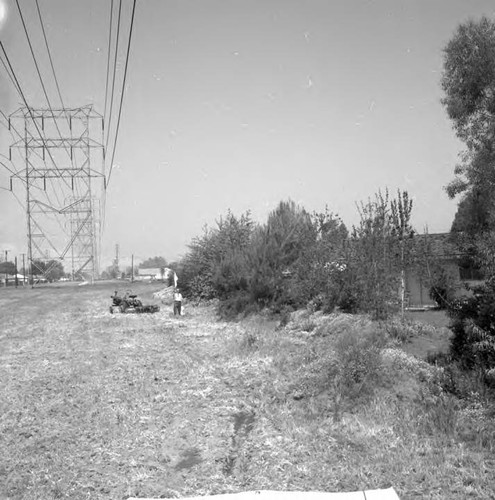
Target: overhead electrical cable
(10, 127)
(9, 75)
(108, 59)
(107, 116)
(29, 110)
(70, 156)
(23, 97)
(50, 56)
(41, 80)
(123, 90)
(114, 72)
(40, 17)
(13, 172)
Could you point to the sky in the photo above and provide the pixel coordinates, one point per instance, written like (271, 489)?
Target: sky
(239, 104)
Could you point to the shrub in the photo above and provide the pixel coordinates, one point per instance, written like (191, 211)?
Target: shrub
(403, 330)
(438, 413)
(348, 301)
(357, 364)
(473, 325)
(442, 289)
(235, 305)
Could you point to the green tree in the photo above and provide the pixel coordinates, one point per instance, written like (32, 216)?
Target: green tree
(52, 270)
(7, 268)
(279, 249)
(468, 82)
(473, 216)
(469, 85)
(320, 272)
(206, 270)
(380, 251)
(402, 232)
(111, 272)
(371, 278)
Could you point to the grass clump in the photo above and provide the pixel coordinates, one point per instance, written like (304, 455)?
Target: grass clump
(356, 367)
(404, 330)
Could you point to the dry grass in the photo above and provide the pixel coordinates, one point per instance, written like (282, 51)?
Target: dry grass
(100, 406)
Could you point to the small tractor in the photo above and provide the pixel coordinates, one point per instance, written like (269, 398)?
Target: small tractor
(129, 303)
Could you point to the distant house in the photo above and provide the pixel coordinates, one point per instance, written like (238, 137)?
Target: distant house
(10, 279)
(153, 274)
(438, 250)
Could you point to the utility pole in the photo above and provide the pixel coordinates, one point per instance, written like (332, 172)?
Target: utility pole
(132, 268)
(15, 265)
(6, 257)
(23, 269)
(116, 261)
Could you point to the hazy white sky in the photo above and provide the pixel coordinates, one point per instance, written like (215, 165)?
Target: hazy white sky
(242, 103)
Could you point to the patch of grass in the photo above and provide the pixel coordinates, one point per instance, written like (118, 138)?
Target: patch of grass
(406, 329)
(103, 406)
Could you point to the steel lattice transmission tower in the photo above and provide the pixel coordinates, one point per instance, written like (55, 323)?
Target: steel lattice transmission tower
(63, 155)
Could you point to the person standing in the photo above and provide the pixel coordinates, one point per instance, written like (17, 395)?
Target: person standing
(177, 302)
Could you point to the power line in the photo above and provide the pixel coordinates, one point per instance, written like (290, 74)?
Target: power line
(123, 90)
(18, 87)
(108, 57)
(114, 72)
(72, 160)
(41, 79)
(107, 128)
(11, 127)
(50, 56)
(32, 53)
(13, 172)
(9, 75)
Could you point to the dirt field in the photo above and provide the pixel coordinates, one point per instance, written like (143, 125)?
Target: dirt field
(94, 405)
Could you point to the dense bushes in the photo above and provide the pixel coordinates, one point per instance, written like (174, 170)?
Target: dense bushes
(297, 258)
(291, 260)
(473, 325)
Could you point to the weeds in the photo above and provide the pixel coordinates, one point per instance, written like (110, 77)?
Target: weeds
(107, 407)
(403, 330)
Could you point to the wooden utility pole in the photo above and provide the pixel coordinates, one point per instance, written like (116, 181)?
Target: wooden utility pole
(6, 257)
(23, 269)
(15, 271)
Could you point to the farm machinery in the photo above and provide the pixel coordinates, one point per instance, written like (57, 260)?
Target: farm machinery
(129, 303)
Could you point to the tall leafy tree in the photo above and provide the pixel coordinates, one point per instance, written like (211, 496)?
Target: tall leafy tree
(469, 85)
(380, 253)
(371, 274)
(7, 267)
(402, 231)
(215, 262)
(468, 82)
(278, 249)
